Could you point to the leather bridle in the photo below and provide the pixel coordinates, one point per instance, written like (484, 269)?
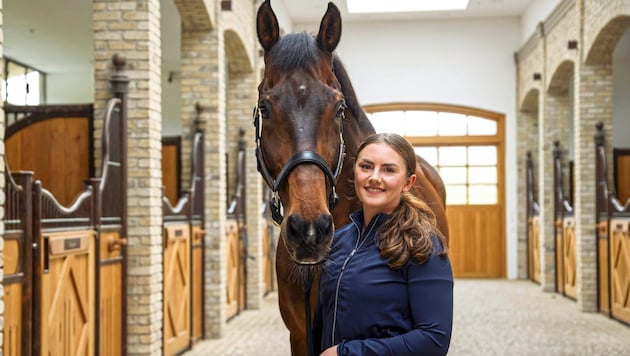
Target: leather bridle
(301, 157)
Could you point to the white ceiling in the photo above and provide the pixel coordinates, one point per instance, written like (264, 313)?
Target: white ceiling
(55, 36)
(312, 10)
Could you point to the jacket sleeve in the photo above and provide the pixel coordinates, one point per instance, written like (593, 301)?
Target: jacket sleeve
(430, 291)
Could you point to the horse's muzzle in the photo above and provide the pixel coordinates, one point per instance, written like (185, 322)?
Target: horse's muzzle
(308, 241)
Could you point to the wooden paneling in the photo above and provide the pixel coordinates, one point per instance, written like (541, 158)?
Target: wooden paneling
(67, 300)
(622, 170)
(235, 270)
(176, 288)
(569, 259)
(170, 172)
(620, 268)
(477, 245)
(57, 150)
(197, 282)
(12, 339)
(111, 294)
(602, 267)
(533, 240)
(267, 255)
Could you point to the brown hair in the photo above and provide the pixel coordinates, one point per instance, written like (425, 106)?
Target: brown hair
(407, 232)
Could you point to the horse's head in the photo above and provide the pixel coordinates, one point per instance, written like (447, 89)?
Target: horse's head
(299, 140)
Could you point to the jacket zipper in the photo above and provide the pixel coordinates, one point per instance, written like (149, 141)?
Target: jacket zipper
(361, 239)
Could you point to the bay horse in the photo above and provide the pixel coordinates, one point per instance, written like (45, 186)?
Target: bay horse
(308, 124)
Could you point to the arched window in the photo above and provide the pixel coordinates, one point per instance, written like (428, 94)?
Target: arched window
(464, 144)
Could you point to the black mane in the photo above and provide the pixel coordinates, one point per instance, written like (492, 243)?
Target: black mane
(294, 51)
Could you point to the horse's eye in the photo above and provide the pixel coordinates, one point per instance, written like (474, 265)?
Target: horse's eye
(262, 107)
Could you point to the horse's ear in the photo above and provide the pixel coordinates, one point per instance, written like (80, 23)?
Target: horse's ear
(330, 29)
(267, 26)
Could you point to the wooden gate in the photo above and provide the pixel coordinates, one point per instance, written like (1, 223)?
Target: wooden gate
(236, 238)
(176, 287)
(564, 230)
(613, 240)
(56, 253)
(66, 270)
(183, 257)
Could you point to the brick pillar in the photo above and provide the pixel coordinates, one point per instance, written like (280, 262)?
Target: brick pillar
(131, 28)
(203, 81)
(595, 105)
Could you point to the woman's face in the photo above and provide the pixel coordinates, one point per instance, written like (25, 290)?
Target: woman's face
(380, 178)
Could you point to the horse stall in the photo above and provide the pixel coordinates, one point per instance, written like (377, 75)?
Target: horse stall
(565, 259)
(183, 233)
(64, 243)
(236, 233)
(613, 238)
(533, 223)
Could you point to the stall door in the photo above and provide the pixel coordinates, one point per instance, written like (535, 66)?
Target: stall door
(176, 288)
(67, 293)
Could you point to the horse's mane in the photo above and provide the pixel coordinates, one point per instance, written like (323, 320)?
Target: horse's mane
(351, 97)
(294, 51)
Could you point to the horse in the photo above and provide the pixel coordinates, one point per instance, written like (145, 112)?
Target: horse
(307, 119)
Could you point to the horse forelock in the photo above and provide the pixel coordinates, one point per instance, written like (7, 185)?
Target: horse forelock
(294, 51)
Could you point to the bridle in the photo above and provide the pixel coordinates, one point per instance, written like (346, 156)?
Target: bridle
(301, 157)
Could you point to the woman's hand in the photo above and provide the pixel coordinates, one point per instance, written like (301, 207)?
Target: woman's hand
(331, 351)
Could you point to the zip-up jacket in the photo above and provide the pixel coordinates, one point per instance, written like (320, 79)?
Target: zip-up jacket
(367, 308)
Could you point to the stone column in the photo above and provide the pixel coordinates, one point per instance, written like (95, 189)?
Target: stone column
(131, 28)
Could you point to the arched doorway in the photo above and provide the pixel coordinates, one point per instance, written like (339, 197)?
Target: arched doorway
(466, 145)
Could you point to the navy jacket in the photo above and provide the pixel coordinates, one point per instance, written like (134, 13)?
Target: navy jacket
(367, 308)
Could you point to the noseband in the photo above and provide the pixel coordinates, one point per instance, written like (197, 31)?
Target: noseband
(301, 157)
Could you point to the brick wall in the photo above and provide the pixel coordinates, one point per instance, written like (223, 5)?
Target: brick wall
(577, 94)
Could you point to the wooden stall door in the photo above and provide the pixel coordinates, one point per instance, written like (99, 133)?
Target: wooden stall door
(533, 240)
(477, 247)
(602, 266)
(176, 288)
(620, 268)
(197, 282)
(235, 270)
(569, 260)
(67, 298)
(12, 333)
(267, 255)
(111, 294)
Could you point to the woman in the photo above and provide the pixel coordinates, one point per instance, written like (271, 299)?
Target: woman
(387, 288)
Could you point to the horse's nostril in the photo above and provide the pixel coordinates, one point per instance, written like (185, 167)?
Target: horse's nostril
(325, 227)
(295, 227)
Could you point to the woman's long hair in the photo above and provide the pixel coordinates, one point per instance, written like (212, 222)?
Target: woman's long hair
(408, 230)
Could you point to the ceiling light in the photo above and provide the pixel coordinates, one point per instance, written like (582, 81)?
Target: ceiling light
(376, 6)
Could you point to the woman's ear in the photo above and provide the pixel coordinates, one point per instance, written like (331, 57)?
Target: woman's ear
(409, 184)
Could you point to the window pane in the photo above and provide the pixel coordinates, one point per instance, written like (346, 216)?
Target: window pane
(421, 123)
(389, 121)
(452, 124)
(32, 97)
(481, 126)
(428, 153)
(482, 175)
(482, 155)
(482, 194)
(453, 175)
(456, 194)
(452, 156)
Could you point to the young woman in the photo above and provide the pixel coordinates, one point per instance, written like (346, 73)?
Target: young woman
(387, 287)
